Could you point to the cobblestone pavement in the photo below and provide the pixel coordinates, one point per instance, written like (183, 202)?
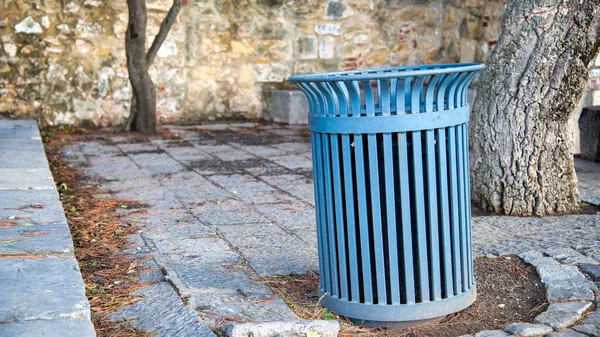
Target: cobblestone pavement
(229, 202)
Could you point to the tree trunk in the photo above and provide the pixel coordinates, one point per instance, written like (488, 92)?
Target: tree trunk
(144, 93)
(520, 144)
(142, 114)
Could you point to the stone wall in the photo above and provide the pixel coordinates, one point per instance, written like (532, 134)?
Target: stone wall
(64, 61)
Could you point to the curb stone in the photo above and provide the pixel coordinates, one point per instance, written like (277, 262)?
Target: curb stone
(528, 329)
(492, 333)
(42, 290)
(562, 315)
(566, 333)
(592, 270)
(316, 328)
(563, 282)
(588, 329)
(559, 317)
(49, 328)
(593, 318)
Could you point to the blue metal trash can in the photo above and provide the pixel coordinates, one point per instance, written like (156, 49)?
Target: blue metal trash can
(392, 196)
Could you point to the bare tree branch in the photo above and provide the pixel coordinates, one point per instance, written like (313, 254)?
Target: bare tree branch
(165, 27)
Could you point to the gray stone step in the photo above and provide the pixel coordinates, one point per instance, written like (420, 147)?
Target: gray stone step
(42, 290)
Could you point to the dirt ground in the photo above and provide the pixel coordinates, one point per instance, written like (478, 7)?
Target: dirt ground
(508, 290)
(99, 237)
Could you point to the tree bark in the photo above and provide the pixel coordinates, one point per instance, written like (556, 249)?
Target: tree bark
(520, 144)
(144, 93)
(142, 115)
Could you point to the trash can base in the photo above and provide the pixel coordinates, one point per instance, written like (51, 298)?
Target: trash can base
(390, 314)
(396, 325)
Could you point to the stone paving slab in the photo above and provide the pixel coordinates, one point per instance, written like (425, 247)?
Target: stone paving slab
(271, 250)
(41, 288)
(191, 277)
(589, 184)
(48, 328)
(246, 307)
(161, 311)
(26, 179)
(22, 158)
(292, 216)
(228, 212)
(524, 234)
(40, 206)
(182, 227)
(21, 143)
(29, 237)
(208, 250)
(23, 128)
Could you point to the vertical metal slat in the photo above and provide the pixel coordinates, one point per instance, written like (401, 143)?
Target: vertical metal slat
(407, 251)
(468, 199)
(377, 248)
(454, 213)
(330, 216)
(365, 244)
(390, 199)
(446, 234)
(351, 222)
(432, 197)
(418, 195)
(322, 219)
(462, 208)
(339, 216)
(434, 242)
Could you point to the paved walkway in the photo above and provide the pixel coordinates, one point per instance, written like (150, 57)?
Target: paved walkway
(41, 290)
(228, 202)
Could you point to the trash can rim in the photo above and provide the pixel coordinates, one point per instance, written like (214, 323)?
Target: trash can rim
(388, 72)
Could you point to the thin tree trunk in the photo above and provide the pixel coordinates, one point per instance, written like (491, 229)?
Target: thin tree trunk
(142, 115)
(143, 87)
(520, 144)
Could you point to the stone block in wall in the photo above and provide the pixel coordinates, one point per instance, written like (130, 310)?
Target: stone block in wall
(306, 47)
(337, 10)
(287, 106)
(468, 51)
(327, 48)
(403, 3)
(328, 29)
(589, 133)
(271, 72)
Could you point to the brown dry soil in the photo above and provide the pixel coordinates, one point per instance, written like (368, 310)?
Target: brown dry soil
(508, 290)
(99, 236)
